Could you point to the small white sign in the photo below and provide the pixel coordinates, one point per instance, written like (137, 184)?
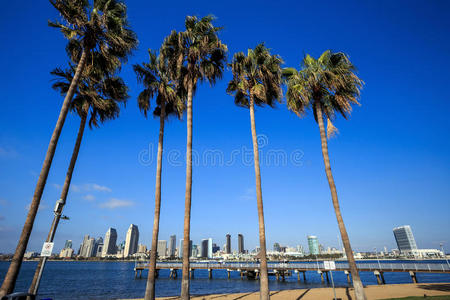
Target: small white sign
(47, 249)
(329, 265)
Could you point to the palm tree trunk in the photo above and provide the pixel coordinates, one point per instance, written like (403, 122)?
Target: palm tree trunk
(65, 190)
(187, 205)
(357, 284)
(264, 280)
(13, 271)
(150, 290)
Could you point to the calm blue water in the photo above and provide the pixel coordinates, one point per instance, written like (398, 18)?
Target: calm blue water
(113, 280)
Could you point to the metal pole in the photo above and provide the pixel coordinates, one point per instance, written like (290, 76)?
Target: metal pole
(57, 214)
(442, 249)
(332, 282)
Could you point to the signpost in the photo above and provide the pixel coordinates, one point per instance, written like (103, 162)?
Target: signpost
(47, 249)
(330, 265)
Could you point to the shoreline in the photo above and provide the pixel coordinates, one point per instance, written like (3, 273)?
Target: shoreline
(373, 292)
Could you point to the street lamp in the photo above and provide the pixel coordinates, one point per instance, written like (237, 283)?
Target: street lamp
(376, 254)
(442, 249)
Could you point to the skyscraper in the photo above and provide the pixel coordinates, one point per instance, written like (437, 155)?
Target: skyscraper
(109, 245)
(161, 249)
(276, 247)
(90, 248)
(240, 243)
(228, 244)
(210, 248)
(172, 245)
(404, 238)
(131, 240)
(84, 246)
(180, 249)
(68, 244)
(204, 248)
(313, 244)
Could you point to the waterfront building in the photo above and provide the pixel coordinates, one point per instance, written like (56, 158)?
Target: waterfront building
(240, 243)
(276, 247)
(313, 244)
(84, 246)
(142, 248)
(180, 249)
(172, 245)
(210, 248)
(204, 248)
(228, 244)
(161, 249)
(109, 245)
(404, 238)
(89, 248)
(195, 251)
(215, 248)
(131, 241)
(68, 244)
(66, 253)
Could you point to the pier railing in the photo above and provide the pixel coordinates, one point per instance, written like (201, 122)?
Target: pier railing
(340, 266)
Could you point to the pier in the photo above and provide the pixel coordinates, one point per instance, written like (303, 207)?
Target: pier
(283, 270)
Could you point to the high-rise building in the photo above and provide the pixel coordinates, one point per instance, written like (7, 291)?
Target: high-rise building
(210, 248)
(180, 249)
(109, 245)
(68, 244)
(204, 248)
(404, 238)
(276, 247)
(240, 243)
(172, 245)
(195, 251)
(228, 244)
(84, 246)
(142, 248)
(90, 248)
(215, 248)
(161, 249)
(313, 244)
(131, 241)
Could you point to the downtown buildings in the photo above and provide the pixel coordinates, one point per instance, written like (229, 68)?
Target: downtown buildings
(131, 241)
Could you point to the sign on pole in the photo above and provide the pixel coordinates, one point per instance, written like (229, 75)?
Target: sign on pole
(329, 265)
(47, 249)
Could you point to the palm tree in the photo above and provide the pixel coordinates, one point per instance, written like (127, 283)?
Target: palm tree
(195, 54)
(158, 83)
(98, 98)
(257, 81)
(101, 27)
(327, 85)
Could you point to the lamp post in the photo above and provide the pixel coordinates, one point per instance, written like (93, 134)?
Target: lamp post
(57, 216)
(442, 249)
(376, 254)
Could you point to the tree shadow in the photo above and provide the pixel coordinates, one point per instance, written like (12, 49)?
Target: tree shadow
(302, 295)
(435, 287)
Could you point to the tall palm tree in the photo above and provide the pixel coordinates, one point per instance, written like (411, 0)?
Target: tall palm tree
(101, 27)
(97, 97)
(195, 54)
(157, 81)
(257, 81)
(327, 85)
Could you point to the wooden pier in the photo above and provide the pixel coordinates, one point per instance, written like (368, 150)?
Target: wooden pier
(283, 270)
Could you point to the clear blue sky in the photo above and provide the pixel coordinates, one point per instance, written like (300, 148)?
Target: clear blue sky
(391, 159)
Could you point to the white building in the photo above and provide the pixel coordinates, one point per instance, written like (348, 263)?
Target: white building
(131, 241)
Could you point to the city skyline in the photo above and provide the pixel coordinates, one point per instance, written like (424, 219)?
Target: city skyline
(207, 246)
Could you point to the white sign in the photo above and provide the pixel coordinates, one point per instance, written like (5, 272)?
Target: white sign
(47, 249)
(329, 265)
